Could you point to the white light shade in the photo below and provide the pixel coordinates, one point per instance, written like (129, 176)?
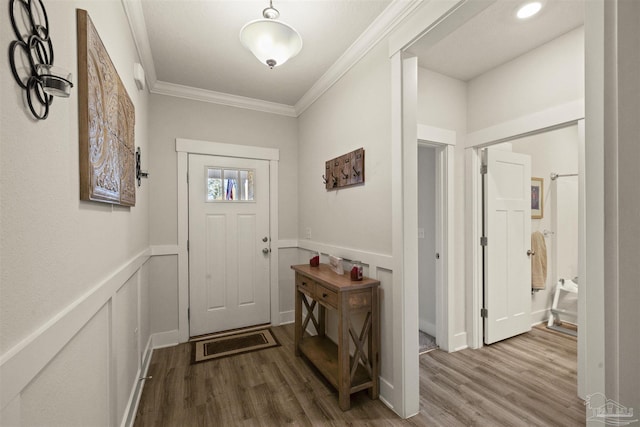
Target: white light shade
(529, 9)
(270, 40)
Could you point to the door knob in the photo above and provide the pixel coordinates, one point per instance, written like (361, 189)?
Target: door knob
(264, 239)
(530, 252)
(265, 250)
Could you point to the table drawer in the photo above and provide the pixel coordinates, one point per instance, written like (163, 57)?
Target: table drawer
(326, 296)
(359, 300)
(306, 285)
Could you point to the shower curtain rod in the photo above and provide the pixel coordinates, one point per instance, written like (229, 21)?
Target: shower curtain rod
(555, 176)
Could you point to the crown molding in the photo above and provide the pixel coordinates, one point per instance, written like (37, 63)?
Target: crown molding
(379, 28)
(195, 94)
(386, 22)
(138, 26)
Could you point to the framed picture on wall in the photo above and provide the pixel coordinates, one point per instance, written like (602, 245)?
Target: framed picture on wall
(537, 199)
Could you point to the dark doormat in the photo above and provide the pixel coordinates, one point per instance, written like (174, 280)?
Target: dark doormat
(230, 345)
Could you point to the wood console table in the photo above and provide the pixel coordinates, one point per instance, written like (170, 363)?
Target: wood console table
(323, 287)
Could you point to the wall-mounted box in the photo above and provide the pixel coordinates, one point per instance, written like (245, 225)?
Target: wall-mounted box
(345, 171)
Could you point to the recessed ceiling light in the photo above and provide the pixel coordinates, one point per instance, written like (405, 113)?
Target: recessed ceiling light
(529, 9)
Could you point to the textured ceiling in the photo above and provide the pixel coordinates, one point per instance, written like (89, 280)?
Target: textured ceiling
(195, 43)
(495, 36)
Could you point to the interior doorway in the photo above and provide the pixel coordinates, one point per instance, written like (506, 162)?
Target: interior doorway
(555, 167)
(428, 255)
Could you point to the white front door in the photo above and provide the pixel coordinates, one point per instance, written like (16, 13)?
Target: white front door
(229, 243)
(507, 227)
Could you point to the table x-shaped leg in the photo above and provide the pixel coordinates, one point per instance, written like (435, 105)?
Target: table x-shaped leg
(359, 342)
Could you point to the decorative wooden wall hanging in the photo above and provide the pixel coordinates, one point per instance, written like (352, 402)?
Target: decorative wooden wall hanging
(345, 171)
(106, 122)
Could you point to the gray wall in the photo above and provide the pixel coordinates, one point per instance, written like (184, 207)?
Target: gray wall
(171, 118)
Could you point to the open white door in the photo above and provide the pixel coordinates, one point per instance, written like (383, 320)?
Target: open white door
(229, 243)
(507, 229)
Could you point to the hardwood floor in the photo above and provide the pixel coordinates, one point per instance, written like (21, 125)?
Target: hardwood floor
(526, 380)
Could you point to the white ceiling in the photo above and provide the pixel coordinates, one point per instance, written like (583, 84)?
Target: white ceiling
(191, 48)
(495, 36)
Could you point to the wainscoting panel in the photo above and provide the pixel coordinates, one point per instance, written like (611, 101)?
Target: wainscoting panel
(94, 342)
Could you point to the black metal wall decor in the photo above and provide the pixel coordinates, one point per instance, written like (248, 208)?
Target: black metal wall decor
(33, 49)
(139, 172)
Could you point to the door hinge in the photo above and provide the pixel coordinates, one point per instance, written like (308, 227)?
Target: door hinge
(187, 245)
(483, 170)
(189, 313)
(484, 312)
(483, 241)
(187, 177)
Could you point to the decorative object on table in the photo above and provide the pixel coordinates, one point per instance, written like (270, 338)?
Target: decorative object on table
(106, 123)
(336, 264)
(344, 171)
(537, 198)
(42, 80)
(271, 41)
(314, 261)
(356, 271)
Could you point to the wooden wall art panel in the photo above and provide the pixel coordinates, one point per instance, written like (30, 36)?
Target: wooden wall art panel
(106, 123)
(345, 171)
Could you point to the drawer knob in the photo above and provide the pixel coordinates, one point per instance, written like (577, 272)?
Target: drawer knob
(324, 295)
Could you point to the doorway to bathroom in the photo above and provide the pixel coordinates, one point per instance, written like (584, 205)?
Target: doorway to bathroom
(554, 200)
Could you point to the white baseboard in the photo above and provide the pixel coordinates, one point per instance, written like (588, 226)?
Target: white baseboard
(427, 327)
(386, 392)
(460, 341)
(165, 339)
(138, 387)
(287, 317)
(539, 316)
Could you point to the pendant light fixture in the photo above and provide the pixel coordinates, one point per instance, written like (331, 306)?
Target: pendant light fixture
(271, 41)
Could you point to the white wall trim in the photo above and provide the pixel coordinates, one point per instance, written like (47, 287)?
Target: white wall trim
(427, 327)
(387, 389)
(435, 134)
(540, 316)
(438, 18)
(287, 317)
(138, 26)
(20, 365)
(160, 250)
(211, 148)
(274, 256)
(384, 24)
(165, 339)
(560, 115)
(204, 95)
(460, 341)
(184, 147)
(399, 375)
(285, 244)
(130, 410)
(349, 254)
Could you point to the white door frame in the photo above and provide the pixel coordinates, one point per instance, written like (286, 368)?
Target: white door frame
(184, 147)
(445, 14)
(444, 141)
